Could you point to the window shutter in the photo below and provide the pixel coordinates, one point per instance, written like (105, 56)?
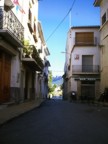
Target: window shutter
(84, 38)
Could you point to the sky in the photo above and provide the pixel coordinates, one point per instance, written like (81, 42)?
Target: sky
(51, 14)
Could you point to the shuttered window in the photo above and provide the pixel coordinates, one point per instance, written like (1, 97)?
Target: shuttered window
(103, 18)
(87, 63)
(84, 38)
(107, 14)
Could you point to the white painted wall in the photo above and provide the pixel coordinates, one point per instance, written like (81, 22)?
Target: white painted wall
(104, 8)
(86, 51)
(72, 50)
(15, 71)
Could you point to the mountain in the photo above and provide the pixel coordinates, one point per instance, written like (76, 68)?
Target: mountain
(58, 80)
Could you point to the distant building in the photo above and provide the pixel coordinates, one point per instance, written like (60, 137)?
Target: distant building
(82, 64)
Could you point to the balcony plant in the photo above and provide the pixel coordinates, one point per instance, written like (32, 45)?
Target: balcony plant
(27, 50)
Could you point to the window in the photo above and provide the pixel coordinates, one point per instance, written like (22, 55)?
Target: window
(103, 18)
(107, 14)
(32, 1)
(30, 5)
(84, 38)
(34, 28)
(30, 21)
(30, 16)
(87, 63)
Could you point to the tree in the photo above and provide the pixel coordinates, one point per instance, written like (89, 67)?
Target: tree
(50, 81)
(51, 87)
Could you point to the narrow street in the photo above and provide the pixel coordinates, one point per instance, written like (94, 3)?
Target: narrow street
(58, 122)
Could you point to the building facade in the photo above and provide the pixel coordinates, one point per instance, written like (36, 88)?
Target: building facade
(103, 4)
(22, 52)
(82, 65)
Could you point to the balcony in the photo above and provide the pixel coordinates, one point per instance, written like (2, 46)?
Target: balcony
(85, 43)
(10, 28)
(9, 4)
(88, 69)
(32, 58)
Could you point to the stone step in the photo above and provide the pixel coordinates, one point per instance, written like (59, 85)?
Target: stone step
(9, 103)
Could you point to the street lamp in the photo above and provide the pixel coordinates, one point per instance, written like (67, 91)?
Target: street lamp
(63, 52)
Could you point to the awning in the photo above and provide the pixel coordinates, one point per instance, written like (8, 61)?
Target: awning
(87, 79)
(32, 64)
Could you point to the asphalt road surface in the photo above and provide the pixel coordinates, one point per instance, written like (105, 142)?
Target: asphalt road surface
(58, 122)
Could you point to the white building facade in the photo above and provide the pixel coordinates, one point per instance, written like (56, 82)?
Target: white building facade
(22, 51)
(103, 4)
(82, 65)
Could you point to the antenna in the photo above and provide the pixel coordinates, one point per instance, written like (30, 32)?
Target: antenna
(70, 19)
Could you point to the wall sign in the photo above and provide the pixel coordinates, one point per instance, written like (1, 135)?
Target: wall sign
(76, 57)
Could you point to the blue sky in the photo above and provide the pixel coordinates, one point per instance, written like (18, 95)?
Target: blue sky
(51, 13)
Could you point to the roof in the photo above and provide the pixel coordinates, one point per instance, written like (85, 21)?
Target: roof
(85, 27)
(97, 2)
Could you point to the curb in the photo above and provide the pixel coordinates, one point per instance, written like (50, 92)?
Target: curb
(96, 103)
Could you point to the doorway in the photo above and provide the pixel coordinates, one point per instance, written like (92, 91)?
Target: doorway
(5, 74)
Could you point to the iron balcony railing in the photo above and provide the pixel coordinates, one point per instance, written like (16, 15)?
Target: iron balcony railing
(8, 21)
(85, 69)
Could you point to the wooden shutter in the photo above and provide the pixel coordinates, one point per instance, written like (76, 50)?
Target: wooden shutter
(84, 38)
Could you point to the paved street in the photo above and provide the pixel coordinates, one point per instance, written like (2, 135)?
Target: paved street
(58, 122)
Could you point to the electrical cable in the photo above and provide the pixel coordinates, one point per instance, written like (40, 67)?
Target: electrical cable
(61, 21)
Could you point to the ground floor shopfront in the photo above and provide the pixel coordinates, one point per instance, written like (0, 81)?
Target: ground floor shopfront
(88, 88)
(18, 81)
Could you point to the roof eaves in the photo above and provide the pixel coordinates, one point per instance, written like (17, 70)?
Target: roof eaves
(97, 3)
(85, 27)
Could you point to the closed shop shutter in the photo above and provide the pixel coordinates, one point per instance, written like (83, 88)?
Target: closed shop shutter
(88, 89)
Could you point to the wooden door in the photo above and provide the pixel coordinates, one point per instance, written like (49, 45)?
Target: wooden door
(5, 73)
(0, 77)
(7, 70)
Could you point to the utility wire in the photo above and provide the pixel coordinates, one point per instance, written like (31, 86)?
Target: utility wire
(61, 21)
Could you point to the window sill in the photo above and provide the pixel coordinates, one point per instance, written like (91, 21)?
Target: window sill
(103, 25)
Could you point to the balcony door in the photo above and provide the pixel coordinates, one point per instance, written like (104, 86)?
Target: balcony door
(87, 63)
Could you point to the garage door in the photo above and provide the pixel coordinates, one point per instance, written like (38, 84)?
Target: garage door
(88, 89)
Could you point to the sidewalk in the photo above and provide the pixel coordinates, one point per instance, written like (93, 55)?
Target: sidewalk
(10, 112)
(95, 103)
